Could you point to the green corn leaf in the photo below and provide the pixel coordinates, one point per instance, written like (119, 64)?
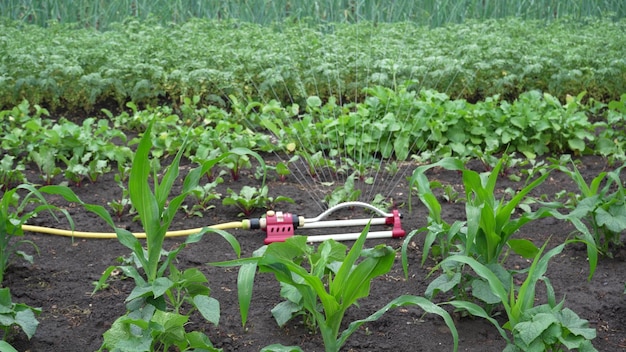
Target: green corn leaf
(359, 279)
(245, 284)
(101, 283)
(339, 282)
(526, 294)
(402, 301)
(490, 187)
(504, 214)
(162, 189)
(478, 311)
(146, 204)
(405, 247)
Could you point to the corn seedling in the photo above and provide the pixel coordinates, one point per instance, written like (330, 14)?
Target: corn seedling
(547, 327)
(324, 283)
(486, 235)
(13, 214)
(602, 207)
(155, 314)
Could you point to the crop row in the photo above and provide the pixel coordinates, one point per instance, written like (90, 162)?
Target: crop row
(387, 125)
(147, 63)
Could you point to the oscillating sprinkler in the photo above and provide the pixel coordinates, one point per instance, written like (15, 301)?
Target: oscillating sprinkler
(279, 225)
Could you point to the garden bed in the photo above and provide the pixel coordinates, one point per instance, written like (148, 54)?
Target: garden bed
(61, 279)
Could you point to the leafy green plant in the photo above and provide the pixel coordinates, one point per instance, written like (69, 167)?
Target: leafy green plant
(547, 327)
(235, 164)
(328, 282)
(204, 195)
(248, 199)
(122, 204)
(344, 193)
(75, 170)
(11, 173)
(45, 159)
(602, 207)
(97, 168)
(15, 314)
(282, 170)
(611, 141)
(164, 297)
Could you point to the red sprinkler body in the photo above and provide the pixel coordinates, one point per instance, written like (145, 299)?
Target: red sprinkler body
(279, 225)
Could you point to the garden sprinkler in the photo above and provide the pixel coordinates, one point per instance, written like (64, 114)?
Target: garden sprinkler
(279, 225)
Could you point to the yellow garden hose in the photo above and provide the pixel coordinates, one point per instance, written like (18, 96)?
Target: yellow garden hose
(103, 235)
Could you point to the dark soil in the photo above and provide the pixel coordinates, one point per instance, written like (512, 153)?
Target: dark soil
(61, 279)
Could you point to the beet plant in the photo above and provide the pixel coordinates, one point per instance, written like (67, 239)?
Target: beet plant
(344, 193)
(282, 170)
(11, 172)
(250, 199)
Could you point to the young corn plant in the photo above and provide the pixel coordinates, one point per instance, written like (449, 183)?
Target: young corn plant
(323, 284)
(603, 208)
(164, 297)
(486, 234)
(13, 214)
(546, 327)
